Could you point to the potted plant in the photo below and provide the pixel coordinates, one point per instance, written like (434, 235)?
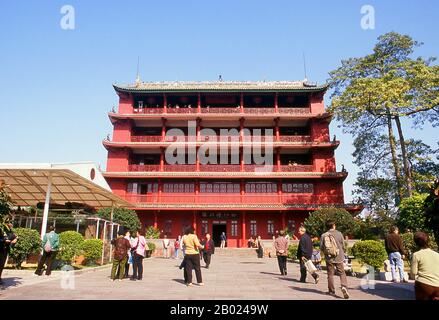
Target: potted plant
(151, 246)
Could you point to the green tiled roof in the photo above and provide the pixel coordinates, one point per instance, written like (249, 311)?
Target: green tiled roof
(220, 86)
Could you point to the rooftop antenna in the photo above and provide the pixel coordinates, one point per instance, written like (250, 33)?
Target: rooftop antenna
(137, 75)
(304, 67)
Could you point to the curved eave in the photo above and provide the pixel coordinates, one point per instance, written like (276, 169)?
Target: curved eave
(132, 89)
(221, 175)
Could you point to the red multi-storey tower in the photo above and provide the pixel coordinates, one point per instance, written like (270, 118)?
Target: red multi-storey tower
(232, 192)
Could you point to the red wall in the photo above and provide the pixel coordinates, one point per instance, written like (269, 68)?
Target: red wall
(117, 160)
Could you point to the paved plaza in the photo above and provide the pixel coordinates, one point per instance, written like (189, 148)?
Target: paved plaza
(229, 277)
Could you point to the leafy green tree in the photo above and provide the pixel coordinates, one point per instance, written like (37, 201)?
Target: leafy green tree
(5, 207)
(125, 217)
(370, 252)
(411, 213)
(28, 243)
(372, 93)
(345, 222)
(375, 226)
(70, 243)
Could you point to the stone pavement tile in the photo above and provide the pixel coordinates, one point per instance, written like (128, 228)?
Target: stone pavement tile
(231, 278)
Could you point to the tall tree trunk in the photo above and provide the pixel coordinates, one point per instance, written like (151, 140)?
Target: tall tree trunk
(392, 145)
(405, 161)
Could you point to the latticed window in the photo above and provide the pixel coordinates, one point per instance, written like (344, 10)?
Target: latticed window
(178, 187)
(270, 227)
(219, 187)
(261, 187)
(253, 228)
(234, 228)
(289, 187)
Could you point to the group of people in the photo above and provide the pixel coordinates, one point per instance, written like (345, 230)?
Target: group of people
(128, 251)
(424, 264)
(7, 240)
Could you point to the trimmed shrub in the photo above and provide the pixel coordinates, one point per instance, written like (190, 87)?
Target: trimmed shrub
(151, 246)
(92, 250)
(28, 243)
(152, 233)
(292, 251)
(70, 243)
(316, 221)
(370, 252)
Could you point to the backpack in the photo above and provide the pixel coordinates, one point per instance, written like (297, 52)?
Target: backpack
(48, 246)
(330, 246)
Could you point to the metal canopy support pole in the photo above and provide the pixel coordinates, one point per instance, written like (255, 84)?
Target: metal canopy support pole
(112, 230)
(46, 206)
(103, 242)
(97, 228)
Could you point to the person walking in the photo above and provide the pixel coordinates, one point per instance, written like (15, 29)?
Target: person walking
(130, 255)
(395, 250)
(260, 247)
(166, 244)
(192, 257)
(304, 253)
(7, 240)
(281, 247)
(121, 247)
(424, 269)
(139, 246)
(208, 250)
(50, 249)
(332, 243)
(177, 244)
(223, 240)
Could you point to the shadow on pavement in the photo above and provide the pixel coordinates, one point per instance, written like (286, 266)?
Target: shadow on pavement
(309, 290)
(179, 281)
(10, 282)
(390, 291)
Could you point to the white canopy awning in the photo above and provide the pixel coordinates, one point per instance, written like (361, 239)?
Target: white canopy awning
(29, 184)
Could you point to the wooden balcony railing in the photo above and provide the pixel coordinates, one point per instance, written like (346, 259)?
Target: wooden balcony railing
(219, 168)
(203, 138)
(236, 110)
(221, 110)
(233, 198)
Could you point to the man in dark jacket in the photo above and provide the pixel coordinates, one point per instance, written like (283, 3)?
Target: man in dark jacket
(208, 250)
(7, 240)
(395, 250)
(304, 252)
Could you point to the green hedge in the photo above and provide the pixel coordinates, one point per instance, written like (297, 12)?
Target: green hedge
(70, 243)
(28, 243)
(292, 251)
(370, 252)
(151, 246)
(92, 250)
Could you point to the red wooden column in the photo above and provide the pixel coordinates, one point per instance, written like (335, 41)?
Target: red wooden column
(194, 222)
(165, 103)
(160, 182)
(241, 102)
(199, 103)
(283, 220)
(278, 169)
(242, 190)
(155, 220)
(243, 231)
(197, 190)
(162, 159)
(276, 128)
(163, 129)
(276, 106)
(279, 190)
(241, 140)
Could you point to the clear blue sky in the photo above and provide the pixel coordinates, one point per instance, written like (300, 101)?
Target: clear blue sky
(56, 85)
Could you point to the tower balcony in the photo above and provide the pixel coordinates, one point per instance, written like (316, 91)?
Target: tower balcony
(204, 138)
(237, 200)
